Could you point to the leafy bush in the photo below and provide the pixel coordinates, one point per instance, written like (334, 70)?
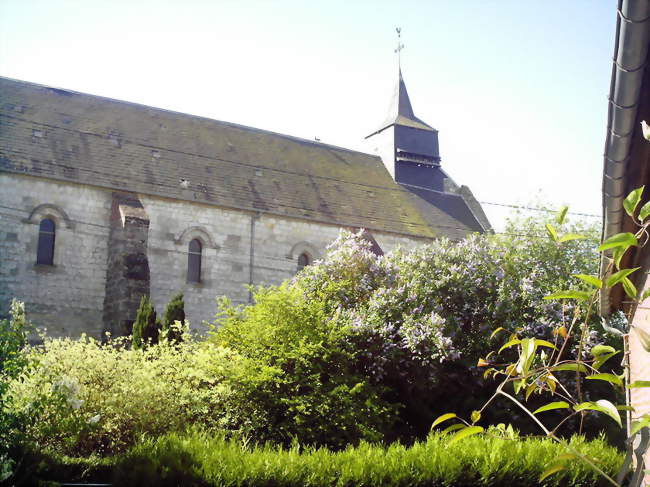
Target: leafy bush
(540, 366)
(87, 397)
(202, 459)
(294, 379)
(356, 347)
(13, 360)
(317, 396)
(175, 311)
(146, 327)
(414, 324)
(445, 299)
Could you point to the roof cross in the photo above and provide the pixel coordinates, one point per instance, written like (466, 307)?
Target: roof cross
(399, 47)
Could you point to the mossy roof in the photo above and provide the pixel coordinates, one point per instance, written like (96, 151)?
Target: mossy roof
(70, 136)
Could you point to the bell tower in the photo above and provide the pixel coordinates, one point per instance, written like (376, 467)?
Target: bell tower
(408, 146)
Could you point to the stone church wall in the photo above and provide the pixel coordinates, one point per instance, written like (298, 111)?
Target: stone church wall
(226, 239)
(224, 236)
(279, 242)
(390, 242)
(67, 297)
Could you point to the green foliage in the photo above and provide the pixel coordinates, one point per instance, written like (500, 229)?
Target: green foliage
(357, 347)
(286, 373)
(13, 338)
(422, 319)
(531, 373)
(146, 328)
(87, 397)
(175, 311)
(316, 394)
(632, 201)
(497, 458)
(408, 328)
(13, 360)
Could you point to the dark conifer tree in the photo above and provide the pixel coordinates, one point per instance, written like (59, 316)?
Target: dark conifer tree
(175, 311)
(145, 328)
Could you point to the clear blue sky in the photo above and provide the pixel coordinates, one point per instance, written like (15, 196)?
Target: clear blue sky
(517, 89)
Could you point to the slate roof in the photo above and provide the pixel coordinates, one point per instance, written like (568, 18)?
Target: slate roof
(451, 203)
(80, 138)
(401, 112)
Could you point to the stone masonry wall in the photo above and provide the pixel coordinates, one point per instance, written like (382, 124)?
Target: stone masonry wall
(67, 297)
(279, 242)
(224, 236)
(226, 239)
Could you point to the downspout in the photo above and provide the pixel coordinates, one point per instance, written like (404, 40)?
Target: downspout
(630, 54)
(251, 254)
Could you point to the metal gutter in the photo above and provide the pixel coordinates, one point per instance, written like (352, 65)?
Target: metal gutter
(628, 66)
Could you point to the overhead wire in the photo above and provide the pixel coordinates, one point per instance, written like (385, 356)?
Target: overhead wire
(531, 208)
(222, 250)
(81, 222)
(279, 170)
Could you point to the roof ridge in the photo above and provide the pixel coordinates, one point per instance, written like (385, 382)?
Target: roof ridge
(185, 114)
(393, 187)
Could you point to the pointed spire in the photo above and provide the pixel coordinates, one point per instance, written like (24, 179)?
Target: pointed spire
(401, 104)
(401, 111)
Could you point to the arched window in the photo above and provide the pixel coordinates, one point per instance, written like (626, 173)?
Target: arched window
(194, 261)
(303, 260)
(45, 252)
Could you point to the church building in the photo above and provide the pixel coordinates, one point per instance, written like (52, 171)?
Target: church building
(103, 201)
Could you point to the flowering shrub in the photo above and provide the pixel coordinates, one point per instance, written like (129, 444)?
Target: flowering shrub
(421, 319)
(441, 302)
(409, 327)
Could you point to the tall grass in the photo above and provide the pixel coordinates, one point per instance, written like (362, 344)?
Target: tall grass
(204, 460)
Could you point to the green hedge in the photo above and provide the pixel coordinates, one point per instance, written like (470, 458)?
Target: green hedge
(203, 460)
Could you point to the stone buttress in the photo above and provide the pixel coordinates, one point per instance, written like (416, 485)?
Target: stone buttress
(127, 273)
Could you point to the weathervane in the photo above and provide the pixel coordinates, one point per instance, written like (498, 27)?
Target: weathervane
(399, 47)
